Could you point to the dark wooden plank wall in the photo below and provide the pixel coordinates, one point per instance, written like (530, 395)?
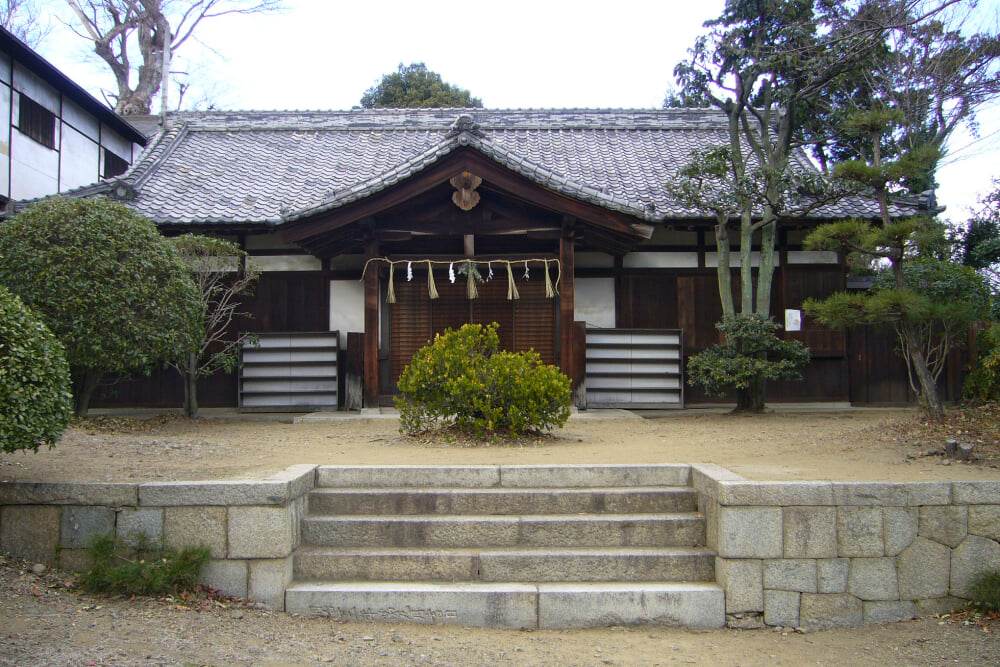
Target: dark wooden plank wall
(287, 301)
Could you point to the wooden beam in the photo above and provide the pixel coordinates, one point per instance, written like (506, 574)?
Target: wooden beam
(567, 258)
(371, 328)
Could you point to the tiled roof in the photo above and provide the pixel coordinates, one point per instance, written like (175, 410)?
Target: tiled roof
(272, 166)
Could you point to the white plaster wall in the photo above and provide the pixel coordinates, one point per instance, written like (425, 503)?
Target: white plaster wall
(80, 160)
(347, 307)
(288, 263)
(5, 68)
(712, 259)
(661, 260)
(594, 301)
(4, 139)
(115, 143)
(812, 257)
(25, 81)
(34, 168)
(82, 121)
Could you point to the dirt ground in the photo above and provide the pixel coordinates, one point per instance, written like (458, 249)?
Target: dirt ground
(45, 623)
(820, 444)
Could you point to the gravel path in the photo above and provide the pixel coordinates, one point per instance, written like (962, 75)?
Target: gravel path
(42, 622)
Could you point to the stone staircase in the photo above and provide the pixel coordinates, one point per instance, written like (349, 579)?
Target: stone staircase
(506, 546)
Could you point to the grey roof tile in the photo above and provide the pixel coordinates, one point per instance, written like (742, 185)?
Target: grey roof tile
(271, 166)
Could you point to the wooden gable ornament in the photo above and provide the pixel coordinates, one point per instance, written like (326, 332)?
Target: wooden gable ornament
(465, 195)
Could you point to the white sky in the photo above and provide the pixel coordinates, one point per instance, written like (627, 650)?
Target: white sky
(512, 54)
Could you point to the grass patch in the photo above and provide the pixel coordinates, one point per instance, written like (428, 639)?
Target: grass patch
(146, 569)
(986, 592)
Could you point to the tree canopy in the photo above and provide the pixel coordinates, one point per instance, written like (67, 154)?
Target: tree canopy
(35, 404)
(101, 277)
(414, 86)
(223, 274)
(119, 29)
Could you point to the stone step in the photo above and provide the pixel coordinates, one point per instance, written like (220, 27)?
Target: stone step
(507, 476)
(408, 501)
(513, 605)
(469, 531)
(536, 565)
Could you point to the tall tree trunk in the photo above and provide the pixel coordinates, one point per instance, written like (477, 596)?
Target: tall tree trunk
(765, 268)
(751, 399)
(191, 386)
(85, 390)
(723, 272)
(746, 266)
(927, 386)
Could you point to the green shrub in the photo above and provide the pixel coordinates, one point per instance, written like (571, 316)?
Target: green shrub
(983, 384)
(144, 569)
(105, 282)
(461, 379)
(35, 399)
(986, 592)
(751, 355)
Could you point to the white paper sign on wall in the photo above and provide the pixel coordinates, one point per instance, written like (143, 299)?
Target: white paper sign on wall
(793, 320)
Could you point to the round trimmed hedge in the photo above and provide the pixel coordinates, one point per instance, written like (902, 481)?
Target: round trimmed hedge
(35, 398)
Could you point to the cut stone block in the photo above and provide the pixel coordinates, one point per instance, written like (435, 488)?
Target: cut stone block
(810, 532)
(745, 621)
(267, 581)
(193, 526)
(976, 493)
(924, 570)
(260, 532)
(889, 611)
(216, 493)
(74, 560)
(30, 532)
(938, 605)
(860, 532)
(585, 475)
(775, 493)
(973, 557)
(822, 612)
(790, 575)
(750, 532)
(69, 493)
(900, 528)
(873, 579)
(781, 608)
(476, 605)
(984, 520)
(832, 575)
(743, 581)
(80, 525)
(886, 494)
(401, 476)
(947, 525)
(565, 606)
(229, 576)
(131, 523)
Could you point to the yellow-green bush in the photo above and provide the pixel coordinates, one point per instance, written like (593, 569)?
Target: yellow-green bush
(461, 379)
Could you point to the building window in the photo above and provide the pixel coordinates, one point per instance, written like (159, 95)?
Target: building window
(113, 165)
(37, 122)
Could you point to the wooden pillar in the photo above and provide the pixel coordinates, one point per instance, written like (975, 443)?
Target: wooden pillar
(566, 305)
(371, 328)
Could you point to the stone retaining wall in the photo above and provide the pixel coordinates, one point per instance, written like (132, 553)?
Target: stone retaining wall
(827, 554)
(251, 527)
(800, 554)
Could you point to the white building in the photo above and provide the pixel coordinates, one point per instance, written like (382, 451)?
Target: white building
(54, 135)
